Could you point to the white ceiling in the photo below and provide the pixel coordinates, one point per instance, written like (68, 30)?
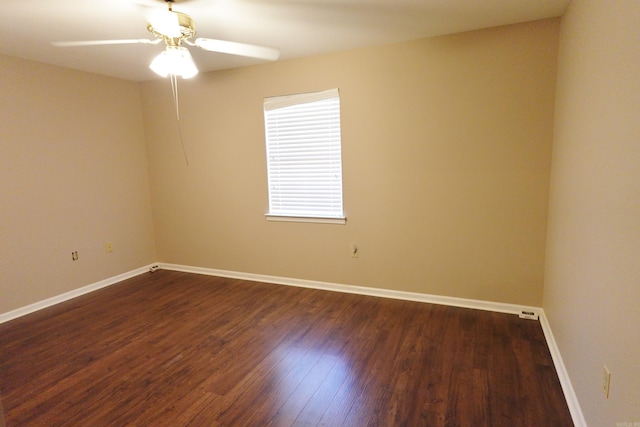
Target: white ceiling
(297, 27)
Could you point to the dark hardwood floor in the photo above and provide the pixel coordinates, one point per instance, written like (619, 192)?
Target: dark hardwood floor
(174, 349)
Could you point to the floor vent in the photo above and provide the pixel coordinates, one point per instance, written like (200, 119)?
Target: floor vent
(526, 314)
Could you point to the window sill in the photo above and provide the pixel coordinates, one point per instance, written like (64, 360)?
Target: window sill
(285, 218)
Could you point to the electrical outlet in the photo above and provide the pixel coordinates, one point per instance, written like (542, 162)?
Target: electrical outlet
(606, 382)
(108, 248)
(354, 250)
(74, 255)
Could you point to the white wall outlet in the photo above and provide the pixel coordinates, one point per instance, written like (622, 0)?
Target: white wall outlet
(108, 247)
(606, 381)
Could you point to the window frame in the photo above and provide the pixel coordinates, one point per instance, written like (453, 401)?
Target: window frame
(280, 102)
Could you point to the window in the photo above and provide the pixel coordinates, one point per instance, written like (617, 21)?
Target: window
(304, 161)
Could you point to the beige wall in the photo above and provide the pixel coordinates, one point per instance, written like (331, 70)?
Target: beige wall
(446, 159)
(592, 283)
(73, 176)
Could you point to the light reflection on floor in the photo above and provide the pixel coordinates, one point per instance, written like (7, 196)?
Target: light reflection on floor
(316, 383)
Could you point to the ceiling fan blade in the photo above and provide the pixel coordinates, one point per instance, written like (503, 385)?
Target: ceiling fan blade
(104, 42)
(242, 49)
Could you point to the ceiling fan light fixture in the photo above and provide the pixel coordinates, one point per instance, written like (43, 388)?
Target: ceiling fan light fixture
(174, 60)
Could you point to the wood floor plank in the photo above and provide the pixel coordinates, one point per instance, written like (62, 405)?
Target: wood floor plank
(178, 349)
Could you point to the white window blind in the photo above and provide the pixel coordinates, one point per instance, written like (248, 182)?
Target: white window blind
(304, 160)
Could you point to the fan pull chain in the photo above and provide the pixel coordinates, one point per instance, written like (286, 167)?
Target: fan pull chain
(174, 91)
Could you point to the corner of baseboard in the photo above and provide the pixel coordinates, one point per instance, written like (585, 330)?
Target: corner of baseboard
(39, 305)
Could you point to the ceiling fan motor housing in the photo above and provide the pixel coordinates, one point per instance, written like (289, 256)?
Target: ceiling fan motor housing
(187, 29)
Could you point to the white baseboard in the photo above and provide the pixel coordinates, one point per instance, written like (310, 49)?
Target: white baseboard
(23, 311)
(563, 375)
(360, 290)
(565, 382)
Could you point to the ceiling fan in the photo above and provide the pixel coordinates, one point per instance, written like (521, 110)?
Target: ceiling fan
(175, 29)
